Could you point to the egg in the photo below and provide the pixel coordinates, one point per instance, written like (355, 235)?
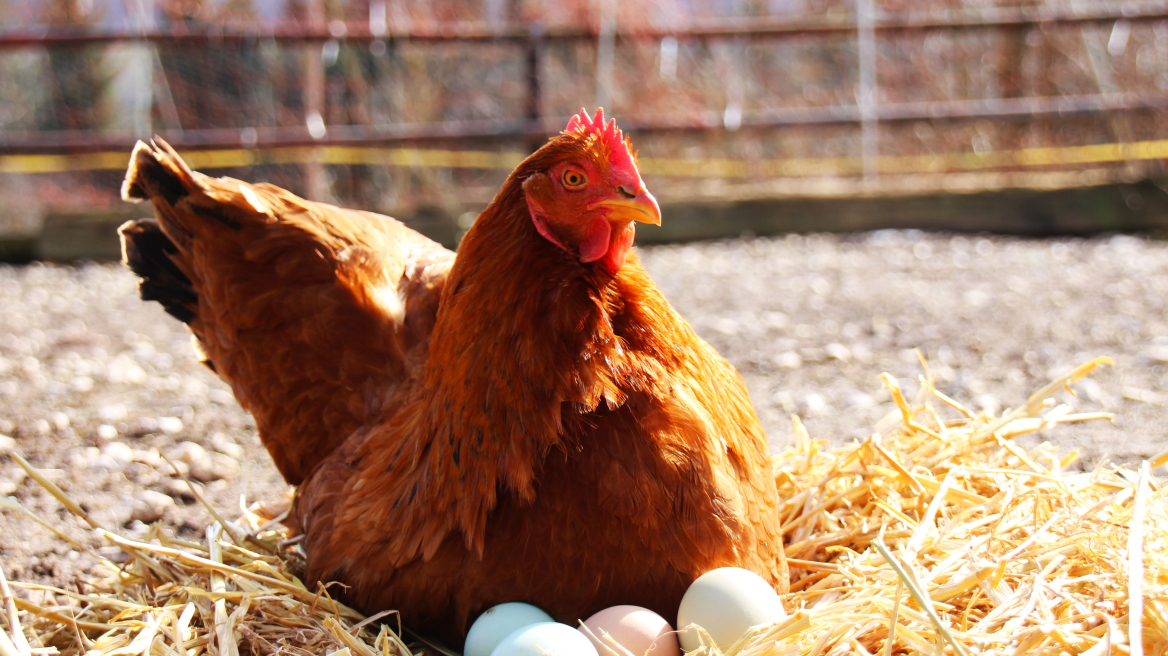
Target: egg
(545, 639)
(497, 623)
(726, 602)
(639, 630)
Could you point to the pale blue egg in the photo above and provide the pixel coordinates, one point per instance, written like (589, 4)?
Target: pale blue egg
(497, 623)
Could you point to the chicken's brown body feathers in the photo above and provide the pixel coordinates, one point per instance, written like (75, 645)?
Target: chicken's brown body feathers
(315, 315)
(544, 432)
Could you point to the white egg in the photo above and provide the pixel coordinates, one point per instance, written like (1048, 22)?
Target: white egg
(726, 602)
(497, 623)
(546, 639)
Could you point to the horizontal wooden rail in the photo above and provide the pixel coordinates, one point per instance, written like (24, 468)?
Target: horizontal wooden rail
(760, 27)
(79, 142)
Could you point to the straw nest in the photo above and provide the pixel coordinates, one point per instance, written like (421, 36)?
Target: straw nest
(941, 527)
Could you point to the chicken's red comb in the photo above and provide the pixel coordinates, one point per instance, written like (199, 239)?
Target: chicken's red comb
(612, 138)
(582, 124)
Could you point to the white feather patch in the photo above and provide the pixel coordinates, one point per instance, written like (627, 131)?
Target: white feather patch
(391, 300)
(253, 199)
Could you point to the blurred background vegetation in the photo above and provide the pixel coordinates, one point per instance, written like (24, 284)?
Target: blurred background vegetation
(750, 115)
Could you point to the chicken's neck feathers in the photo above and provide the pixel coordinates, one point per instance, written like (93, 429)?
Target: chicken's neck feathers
(523, 328)
(526, 339)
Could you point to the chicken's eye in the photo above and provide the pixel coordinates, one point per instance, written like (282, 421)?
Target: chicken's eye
(574, 179)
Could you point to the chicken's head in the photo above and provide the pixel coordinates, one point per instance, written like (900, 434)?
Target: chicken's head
(588, 195)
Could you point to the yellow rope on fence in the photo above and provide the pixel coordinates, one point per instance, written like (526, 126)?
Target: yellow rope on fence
(680, 168)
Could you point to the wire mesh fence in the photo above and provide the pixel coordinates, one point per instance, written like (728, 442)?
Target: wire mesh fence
(397, 106)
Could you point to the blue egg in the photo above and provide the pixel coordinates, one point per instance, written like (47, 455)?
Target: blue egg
(497, 623)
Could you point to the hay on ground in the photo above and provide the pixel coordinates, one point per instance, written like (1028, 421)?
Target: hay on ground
(941, 535)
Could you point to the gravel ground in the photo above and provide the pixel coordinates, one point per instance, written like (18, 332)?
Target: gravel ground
(94, 383)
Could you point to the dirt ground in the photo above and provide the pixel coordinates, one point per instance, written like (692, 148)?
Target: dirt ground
(94, 383)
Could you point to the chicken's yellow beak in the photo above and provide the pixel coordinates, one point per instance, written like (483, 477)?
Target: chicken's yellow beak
(641, 207)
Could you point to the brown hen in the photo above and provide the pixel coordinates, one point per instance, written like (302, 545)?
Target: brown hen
(532, 423)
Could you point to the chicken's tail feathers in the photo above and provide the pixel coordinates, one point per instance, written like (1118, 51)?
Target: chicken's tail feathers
(157, 171)
(147, 251)
(300, 304)
(193, 207)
